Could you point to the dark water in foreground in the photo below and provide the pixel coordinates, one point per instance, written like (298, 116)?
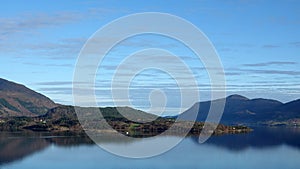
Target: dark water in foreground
(264, 148)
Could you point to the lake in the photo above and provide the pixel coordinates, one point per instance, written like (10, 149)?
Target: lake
(263, 148)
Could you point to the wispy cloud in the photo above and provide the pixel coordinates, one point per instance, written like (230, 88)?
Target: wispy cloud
(27, 29)
(56, 90)
(49, 65)
(63, 49)
(270, 46)
(54, 83)
(147, 42)
(262, 64)
(296, 44)
(278, 72)
(232, 73)
(260, 71)
(270, 63)
(29, 23)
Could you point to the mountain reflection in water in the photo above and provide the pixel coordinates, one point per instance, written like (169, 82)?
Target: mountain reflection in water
(260, 138)
(18, 145)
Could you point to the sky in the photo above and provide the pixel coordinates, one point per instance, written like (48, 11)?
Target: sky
(258, 43)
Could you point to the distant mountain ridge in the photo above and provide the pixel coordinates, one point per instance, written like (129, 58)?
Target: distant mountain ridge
(18, 100)
(242, 110)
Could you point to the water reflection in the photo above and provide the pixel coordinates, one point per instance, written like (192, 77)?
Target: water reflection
(15, 146)
(259, 138)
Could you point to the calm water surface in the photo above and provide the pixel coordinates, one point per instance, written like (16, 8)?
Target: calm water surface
(264, 148)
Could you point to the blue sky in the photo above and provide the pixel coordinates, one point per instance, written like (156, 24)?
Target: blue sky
(258, 42)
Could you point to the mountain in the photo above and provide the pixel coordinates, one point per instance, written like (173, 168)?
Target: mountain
(18, 100)
(241, 110)
(67, 116)
(109, 113)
